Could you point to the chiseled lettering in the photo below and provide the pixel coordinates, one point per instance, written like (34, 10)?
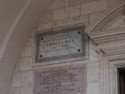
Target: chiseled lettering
(60, 81)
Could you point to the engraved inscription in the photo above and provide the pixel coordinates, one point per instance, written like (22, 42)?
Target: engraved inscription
(60, 44)
(63, 45)
(63, 81)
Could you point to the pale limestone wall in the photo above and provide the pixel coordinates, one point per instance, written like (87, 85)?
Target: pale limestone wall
(63, 13)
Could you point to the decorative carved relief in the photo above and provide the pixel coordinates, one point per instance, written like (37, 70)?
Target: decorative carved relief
(110, 38)
(100, 33)
(108, 19)
(109, 30)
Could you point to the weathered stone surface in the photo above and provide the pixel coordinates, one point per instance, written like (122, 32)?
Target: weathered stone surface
(71, 80)
(60, 13)
(66, 45)
(74, 2)
(87, 1)
(63, 13)
(92, 7)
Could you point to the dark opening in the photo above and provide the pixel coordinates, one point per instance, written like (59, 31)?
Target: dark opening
(121, 77)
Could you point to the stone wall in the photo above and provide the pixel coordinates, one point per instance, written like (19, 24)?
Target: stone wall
(63, 13)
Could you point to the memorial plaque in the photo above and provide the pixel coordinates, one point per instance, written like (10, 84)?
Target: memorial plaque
(60, 81)
(66, 45)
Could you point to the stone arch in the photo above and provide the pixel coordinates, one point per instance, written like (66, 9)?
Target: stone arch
(19, 30)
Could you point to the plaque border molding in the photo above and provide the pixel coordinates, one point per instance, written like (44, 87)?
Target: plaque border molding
(82, 66)
(67, 59)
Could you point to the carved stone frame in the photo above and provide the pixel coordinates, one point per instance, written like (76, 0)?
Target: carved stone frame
(109, 76)
(108, 66)
(59, 29)
(68, 66)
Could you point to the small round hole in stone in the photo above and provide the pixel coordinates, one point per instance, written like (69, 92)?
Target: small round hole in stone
(41, 38)
(79, 50)
(40, 55)
(79, 32)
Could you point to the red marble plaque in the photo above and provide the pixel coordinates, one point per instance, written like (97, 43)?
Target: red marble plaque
(60, 81)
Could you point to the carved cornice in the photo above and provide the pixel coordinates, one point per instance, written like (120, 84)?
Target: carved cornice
(100, 34)
(100, 27)
(110, 38)
(103, 35)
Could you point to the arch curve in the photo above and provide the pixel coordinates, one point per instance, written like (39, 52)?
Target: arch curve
(109, 41)
(97, 28)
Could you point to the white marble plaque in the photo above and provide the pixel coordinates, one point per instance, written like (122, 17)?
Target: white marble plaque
(65, 44)
(60, 81)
